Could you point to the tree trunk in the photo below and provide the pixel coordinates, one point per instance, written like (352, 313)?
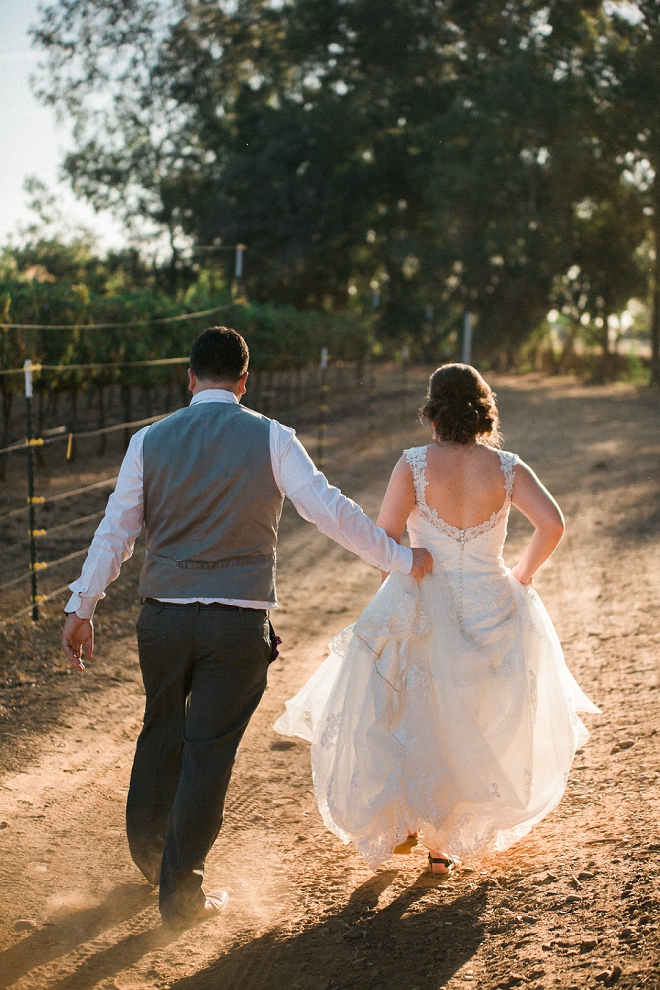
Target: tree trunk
(607, 354)
(567, 356)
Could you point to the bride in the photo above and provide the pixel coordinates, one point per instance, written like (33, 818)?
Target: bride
(446, 712)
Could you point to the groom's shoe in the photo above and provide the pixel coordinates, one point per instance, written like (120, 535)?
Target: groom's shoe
(216, 901)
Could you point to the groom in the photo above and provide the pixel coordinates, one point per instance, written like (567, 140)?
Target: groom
(208, 484)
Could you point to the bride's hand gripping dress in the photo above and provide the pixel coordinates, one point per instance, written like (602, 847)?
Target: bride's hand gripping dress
(447, 709)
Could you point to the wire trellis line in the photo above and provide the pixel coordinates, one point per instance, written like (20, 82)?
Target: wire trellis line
(43, 598)
(117, 326)
(43, 567)
(53, 594)
(58, 498)
(75, 522)
(79, 491)
(117, 426)
(55, 529)
(19, 445)
(99, 366)
(23, 444)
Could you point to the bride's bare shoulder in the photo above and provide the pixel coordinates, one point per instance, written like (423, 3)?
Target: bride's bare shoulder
(404, 466)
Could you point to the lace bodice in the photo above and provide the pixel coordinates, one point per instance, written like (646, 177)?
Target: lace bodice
(416, 458)
(470, 558)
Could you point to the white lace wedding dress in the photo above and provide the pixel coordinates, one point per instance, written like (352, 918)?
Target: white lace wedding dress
(447, 709)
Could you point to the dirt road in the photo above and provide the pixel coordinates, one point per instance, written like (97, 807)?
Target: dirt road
(574, 905)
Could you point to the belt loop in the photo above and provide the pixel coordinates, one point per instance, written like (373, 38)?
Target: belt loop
(197, 607)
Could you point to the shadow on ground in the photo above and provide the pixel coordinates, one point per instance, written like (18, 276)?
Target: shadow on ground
(112, 960)
(408, 944)
(73, 930)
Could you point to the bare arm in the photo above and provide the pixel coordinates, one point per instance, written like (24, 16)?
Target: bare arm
(334, 514)
(398, 503)
(536, 502)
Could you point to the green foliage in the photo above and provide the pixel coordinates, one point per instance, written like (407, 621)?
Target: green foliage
(84, 291)
(282, 337)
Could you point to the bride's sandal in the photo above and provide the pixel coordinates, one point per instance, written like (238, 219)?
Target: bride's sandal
(447, 861)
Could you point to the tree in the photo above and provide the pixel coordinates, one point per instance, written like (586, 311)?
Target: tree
(605, 237)
(627, 92)
(513, 156)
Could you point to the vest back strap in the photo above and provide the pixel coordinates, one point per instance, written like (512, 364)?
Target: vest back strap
(214, 565)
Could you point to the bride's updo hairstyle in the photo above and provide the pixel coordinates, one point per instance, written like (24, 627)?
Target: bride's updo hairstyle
(461, 406)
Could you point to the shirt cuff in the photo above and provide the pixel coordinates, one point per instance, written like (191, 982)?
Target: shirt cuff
(83, 607)
(404, 560)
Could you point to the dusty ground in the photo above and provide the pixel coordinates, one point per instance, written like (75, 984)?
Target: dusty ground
(577, 898)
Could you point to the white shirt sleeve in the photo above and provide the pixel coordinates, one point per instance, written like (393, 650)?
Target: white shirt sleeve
(115, 536)
(317, 501)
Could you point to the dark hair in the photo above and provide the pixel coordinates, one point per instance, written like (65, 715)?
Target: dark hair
(219, 355)
(461, 406)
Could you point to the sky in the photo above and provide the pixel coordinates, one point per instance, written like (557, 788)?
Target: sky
(32, 141)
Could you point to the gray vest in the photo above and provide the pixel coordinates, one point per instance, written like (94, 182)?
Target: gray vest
(211, 505)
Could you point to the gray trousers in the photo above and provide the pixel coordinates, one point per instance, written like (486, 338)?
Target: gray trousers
(204, 670)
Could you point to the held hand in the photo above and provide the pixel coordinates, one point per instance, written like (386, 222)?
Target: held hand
(77, 633)
(519, 577)
(422, 563)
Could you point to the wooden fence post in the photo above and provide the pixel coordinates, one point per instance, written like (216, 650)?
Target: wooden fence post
(31, 444)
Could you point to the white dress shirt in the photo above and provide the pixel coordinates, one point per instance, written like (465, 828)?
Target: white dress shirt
(296, 477)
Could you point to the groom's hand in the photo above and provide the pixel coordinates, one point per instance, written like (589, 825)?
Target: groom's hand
(422, 563)
(77, 633)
